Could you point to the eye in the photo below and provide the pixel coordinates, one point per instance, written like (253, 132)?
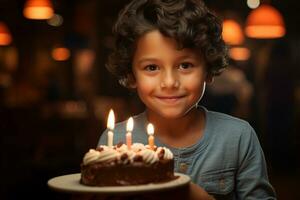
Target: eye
(151, 67)
(185, 65)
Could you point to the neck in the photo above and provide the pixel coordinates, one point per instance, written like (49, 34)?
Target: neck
(177, 127)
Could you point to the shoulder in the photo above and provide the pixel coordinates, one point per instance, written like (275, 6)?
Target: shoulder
(228, 121)
(227, 126)
(227, 133)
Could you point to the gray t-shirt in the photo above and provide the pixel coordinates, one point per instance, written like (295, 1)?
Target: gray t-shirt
(227, 161)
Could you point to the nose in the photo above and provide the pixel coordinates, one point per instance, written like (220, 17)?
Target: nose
(169, 79)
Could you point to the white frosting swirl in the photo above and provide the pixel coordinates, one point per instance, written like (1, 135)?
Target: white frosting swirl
(149, 156)
(93, 156)
(129, 158)
(131, 155)
(104, 147)
(136, 147)
(168, 155)
(123, 148)
(117, 153)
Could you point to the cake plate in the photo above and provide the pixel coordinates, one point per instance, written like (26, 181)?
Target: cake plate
(70, 184)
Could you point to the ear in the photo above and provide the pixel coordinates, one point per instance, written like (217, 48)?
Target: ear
(131, 83)
(209, 78)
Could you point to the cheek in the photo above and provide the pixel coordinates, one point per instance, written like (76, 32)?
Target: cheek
(194, 82)
(145, 86)
(198, 90)
(195, 86)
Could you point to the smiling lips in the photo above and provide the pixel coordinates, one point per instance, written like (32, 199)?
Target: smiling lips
(170, 99)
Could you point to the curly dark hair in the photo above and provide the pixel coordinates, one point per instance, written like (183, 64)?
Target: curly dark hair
(189, 22)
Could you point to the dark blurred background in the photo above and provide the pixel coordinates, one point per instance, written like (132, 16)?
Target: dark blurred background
(55, 92)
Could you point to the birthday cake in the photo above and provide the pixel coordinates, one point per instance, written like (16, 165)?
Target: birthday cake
(119, 165)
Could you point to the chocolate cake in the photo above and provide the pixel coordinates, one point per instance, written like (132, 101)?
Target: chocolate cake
(120, 166)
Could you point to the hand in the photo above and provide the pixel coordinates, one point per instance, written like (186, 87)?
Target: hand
(198, 193)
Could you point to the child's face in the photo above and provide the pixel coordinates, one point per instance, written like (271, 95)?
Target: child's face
(169, 81)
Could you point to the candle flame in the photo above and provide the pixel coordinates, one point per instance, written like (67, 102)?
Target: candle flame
(111, 120)
(129, 126)
(150, 129)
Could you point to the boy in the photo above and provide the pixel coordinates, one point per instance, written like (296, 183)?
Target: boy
(167, 50)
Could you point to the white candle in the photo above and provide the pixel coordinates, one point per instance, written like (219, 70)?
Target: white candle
(129, 129)
(110, 126)
(150, 131)
(110, 138)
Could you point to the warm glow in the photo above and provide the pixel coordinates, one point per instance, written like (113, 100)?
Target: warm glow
(129, 126)
(239, 53)
(60, 54)
(232, 33)
(55, 20)
(265, 31)
(38, 9)
(84, 61)
(253, 3)
(150, 129)
(265, 22)
(5, 37)
(111, 120)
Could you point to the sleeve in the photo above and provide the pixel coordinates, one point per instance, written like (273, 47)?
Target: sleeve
(252, 178)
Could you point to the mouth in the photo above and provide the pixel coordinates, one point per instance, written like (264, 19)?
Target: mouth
(170, 99)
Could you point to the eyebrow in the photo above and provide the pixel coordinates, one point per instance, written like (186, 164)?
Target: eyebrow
(147, 58)
(152, 58)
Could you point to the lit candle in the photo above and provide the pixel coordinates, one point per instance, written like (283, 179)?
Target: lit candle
(150, 131)
(110, 126)
(129, 128)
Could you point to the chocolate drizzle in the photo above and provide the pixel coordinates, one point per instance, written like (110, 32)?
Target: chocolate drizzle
(119, 144)
(99, 149)
(124, 157)
(161, 154)
(138, 158)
